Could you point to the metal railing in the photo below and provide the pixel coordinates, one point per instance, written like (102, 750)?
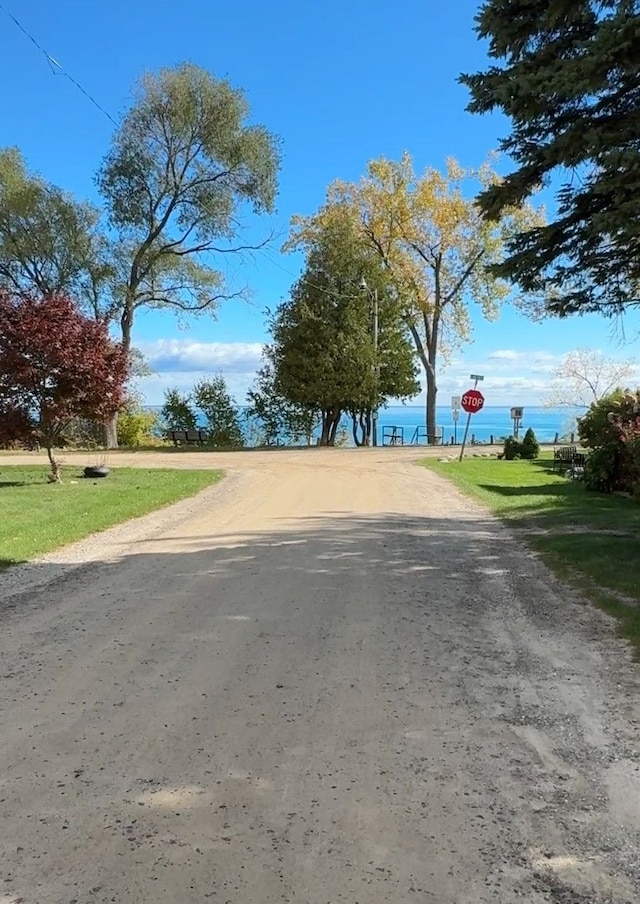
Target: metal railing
(393, 435)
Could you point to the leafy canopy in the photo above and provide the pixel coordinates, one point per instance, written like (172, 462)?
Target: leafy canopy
(56, 364)
(177, 412)
(568, 77)
(213, 398)
(182, 166)
(323, 348)
(429, 236)
(50, 243)
(434, 246)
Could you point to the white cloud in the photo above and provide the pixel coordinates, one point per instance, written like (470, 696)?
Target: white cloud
(186, 356)
(506, 354)
(152, 388)
(511, 377)
(179, 363)
(507, 359)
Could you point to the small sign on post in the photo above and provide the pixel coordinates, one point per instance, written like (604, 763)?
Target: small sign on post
(516, 416)
(455, 414)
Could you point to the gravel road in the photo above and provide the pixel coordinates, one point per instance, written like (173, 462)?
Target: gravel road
(331, 679)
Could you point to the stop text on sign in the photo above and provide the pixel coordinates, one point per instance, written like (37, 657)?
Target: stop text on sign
(472, 401)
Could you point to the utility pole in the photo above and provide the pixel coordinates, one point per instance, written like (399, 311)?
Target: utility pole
(374, 425)
(373, 295)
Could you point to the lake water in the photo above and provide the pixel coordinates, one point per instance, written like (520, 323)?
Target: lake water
(492, 421)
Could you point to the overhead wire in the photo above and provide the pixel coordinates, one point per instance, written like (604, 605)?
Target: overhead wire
(301, 276)
(54, 65)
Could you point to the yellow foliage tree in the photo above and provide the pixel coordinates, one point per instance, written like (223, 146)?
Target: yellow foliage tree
(435, 244)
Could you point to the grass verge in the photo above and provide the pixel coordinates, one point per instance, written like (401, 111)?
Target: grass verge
(38, 517)
(589, 539)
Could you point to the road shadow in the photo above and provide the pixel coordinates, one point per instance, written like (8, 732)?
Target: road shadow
(397, 557)
(559, 490)
(342, 547)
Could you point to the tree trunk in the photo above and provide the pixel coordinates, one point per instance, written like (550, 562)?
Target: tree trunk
(432, 392)
(326, 427)
(432, 333)
(110, 431)
(425, 353)
(330, 421)
(365, 426)
(354, 421)
(55, 475)
(361, 421)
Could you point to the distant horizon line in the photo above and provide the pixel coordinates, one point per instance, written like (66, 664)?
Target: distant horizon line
(448, 407)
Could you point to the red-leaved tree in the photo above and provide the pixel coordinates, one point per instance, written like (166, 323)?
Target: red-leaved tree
(56, 364)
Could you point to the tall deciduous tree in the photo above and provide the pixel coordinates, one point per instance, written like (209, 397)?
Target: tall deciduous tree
(434, 245)
(568, 78)
(182, 164)
(323, 350)
(586, 375)
(49, 242)
(181, 168)
(56, 364)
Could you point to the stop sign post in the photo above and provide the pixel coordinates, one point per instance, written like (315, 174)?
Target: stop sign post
(472, 402)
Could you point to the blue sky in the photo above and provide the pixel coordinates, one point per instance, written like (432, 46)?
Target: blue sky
(340, 82)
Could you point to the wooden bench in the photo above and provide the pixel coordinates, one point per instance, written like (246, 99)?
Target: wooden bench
(568, 457)
(187, 436)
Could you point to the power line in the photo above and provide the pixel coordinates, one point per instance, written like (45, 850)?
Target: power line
(300, 277)
(55, 66)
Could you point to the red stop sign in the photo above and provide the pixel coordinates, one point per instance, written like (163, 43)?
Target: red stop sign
(472, 401)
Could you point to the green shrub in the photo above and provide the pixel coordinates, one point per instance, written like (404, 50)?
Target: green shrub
(631, 465)
(611, 430)
(596, 427)
(512, 449)
(602, 464)
(530, 447)
(135, 426)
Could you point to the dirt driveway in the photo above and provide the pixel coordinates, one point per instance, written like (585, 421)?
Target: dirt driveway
(329, 680)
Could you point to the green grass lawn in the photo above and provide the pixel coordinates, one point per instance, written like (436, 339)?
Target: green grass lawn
(588, 538)
(38, 516)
